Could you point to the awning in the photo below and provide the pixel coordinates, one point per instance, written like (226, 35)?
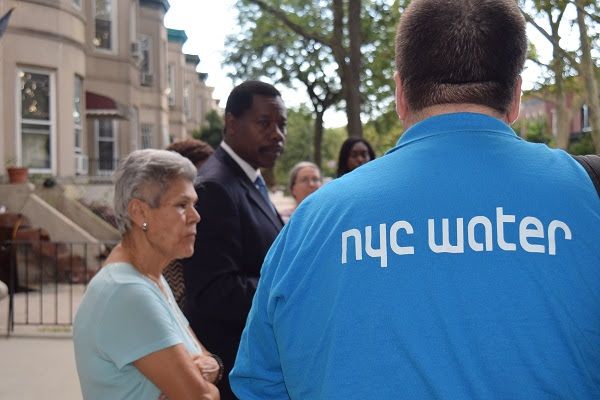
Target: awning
(100, 106)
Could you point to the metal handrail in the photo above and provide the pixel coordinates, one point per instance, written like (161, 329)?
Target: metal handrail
(47, 280)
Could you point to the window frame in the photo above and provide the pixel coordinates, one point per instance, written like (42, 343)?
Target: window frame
(114, 48)
(585, 119)
(146, 51)
(171, 83)
(146, 40)
(78, 127)
(146, 140)
(115, 141)
(51, 121)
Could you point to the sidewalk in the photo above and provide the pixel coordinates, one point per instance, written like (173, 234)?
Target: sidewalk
(36, 363)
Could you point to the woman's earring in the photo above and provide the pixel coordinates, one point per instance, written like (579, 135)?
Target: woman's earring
(145, 227)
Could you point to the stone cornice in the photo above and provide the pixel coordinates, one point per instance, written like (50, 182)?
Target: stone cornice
(176, 35)
(156, 4)
(192, 59)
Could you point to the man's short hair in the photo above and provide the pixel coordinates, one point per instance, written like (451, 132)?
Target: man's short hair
(240, 98)
(460, 51)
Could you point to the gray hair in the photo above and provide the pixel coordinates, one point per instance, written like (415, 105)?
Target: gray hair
(296, 168)
(146, 175)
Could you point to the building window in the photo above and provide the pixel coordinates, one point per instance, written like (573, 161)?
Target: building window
(77, 125)
(186, 100)
(171, 84)
(135, 129)
(146, 64)
(105, 26)
(36, 119)
(147, 133)
(77, 4)
(585, 119)
(107, 145)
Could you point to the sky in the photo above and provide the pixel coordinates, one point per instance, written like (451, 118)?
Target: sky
(208, 22)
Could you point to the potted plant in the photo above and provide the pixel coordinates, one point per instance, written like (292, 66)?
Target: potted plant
(16, 174)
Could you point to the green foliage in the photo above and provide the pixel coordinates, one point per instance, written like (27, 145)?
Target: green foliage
(212, 131)
(583, 145)
(299, 145)
(533, 130)
(268, 48)
(384, 131)
(331, 149)
(379, 29)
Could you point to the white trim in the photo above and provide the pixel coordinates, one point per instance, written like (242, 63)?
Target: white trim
(114, 44)
(171, 84)
(102, 112)
(19, 121)
(78, 150)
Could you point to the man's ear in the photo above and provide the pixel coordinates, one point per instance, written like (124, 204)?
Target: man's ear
(515, 105)
(401, 105)
(230, 125)
(138, 212)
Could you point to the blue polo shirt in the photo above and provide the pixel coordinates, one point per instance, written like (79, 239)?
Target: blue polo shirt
(464, 263)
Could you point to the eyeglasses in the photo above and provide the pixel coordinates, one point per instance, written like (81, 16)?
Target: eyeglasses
(305, 180)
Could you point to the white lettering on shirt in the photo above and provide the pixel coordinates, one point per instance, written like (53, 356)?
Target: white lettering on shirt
(533, 237)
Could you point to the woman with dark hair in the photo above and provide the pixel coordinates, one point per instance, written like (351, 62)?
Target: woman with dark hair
(354, 153)
(195, 150)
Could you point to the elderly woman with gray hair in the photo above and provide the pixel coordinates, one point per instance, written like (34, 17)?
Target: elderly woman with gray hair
(131, 340)
(305, 178)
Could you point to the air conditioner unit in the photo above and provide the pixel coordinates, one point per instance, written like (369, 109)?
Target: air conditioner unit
(136, 51)
(81, 164)
(146, 79)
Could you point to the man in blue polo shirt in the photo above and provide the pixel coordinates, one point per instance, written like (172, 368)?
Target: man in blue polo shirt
(464, 264)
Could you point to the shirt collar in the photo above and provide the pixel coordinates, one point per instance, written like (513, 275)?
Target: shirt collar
(444, 123)
(250, 172)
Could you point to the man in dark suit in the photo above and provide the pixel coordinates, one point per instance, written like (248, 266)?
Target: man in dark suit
(239, 222)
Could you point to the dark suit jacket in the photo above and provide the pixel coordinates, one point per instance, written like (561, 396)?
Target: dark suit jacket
(235, 232)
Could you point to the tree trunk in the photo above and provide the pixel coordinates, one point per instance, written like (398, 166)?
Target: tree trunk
(318, 138)
(563, 133)
(587, 72)
(349, 61)
(353, 99)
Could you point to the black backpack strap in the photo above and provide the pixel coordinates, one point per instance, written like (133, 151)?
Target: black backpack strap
(591, 163)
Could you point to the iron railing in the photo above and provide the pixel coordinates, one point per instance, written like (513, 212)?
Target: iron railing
(47, 281)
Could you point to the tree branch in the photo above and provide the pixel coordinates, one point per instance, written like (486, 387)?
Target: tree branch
(562, 52)
(283, 17)
(594, 18)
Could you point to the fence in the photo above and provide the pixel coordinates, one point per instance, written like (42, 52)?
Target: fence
(47, 280)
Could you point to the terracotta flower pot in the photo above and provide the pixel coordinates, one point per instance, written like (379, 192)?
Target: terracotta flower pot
(17, 174)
